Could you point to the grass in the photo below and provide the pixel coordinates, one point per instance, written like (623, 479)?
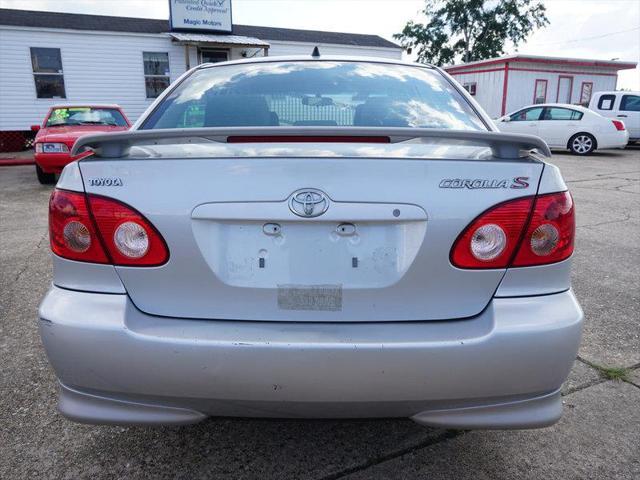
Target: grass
(611, 373)
(615, 373)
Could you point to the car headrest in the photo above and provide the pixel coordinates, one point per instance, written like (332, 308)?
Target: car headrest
(378, 112)
(237, 111)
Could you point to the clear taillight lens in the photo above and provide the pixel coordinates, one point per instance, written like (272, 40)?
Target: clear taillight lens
(544, 239)
(131, 240)
(488, 242)
(77, 236)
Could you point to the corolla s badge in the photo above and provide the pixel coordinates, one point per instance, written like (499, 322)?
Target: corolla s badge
(308, 203)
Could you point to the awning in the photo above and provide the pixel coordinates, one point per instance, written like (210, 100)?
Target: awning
(219, 40)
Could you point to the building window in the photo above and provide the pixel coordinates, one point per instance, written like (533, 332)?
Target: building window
(156, 72)
(47, 72)
(630, 103)
(213, 56)
(471, 88)
(540, 91)
(585, 93)
(606, 102)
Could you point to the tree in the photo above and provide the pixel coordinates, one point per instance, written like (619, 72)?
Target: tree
(471, 29)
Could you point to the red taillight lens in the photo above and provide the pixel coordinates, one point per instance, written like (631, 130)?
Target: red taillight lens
(130, 239)
(491, 239)
(551, 231)
(71, 230)
(619, 125)
(495, 238)
(102, 230)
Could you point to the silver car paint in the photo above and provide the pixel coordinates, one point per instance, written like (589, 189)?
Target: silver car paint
(86, 277)
(310, 369)
(404, 272)
(502, 368)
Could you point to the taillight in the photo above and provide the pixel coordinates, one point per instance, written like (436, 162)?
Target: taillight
(71, 230)
(619, 125)
(551, 231)
(497, 238)
(129, 238)
(103, 230)
(491, 239)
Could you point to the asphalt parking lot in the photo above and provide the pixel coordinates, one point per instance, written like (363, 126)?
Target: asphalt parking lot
(598, 436)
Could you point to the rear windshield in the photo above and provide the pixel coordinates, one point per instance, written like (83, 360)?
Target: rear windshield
(86, 116)
(315, 93)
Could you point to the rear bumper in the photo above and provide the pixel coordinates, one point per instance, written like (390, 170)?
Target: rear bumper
(617, 139)
(501, 369)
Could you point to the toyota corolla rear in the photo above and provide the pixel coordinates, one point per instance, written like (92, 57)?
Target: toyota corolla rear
(312, 238)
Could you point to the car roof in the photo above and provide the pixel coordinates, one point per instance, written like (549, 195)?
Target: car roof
(90, 105)
(615, 92)
(562, 105)
(579, 108)
(321, 58)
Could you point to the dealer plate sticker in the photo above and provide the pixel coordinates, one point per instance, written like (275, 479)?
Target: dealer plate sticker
(326, 298)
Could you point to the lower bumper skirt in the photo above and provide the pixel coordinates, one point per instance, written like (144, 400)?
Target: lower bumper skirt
(534, 412)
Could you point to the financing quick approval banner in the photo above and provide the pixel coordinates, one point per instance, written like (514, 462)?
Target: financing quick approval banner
(201, 15)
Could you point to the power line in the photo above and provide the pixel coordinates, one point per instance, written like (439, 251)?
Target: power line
(584, 38)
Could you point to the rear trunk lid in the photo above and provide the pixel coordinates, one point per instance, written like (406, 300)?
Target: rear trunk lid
(241, 247)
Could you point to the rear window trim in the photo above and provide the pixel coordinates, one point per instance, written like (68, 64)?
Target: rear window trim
(463, 93)
(607, 96)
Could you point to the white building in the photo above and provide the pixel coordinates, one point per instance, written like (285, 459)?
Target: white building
(502, 85)
(48, 58)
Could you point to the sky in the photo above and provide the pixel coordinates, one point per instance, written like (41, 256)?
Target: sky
(600, 29)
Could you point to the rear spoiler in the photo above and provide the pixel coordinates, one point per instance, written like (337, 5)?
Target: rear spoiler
(506, 146)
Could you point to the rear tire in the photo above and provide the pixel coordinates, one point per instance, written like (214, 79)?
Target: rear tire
(582, 144)
(45, 178)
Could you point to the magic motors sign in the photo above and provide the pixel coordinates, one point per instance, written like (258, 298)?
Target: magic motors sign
(201, 15)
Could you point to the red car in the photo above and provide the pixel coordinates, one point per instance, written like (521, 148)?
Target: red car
(63, 125)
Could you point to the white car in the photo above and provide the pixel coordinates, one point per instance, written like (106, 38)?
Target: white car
(567, 126)
(624, 106)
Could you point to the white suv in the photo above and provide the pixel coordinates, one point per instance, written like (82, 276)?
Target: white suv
(622, 105)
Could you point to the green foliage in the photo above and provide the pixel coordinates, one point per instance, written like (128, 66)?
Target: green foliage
(471, 29)
(615, 373)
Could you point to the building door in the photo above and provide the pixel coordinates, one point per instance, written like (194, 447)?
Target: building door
(213, 56)
(565, 85)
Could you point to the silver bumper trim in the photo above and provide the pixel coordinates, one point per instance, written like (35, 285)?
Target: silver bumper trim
(517, 349)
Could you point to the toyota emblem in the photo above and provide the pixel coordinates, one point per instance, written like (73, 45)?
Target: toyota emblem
(309, 203)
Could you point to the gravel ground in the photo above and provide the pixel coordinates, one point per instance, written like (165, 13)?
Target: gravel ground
(598, 437)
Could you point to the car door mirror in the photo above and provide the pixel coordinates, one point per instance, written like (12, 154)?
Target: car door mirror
(35, 128)
(505, 119)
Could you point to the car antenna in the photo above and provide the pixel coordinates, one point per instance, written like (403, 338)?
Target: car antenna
(316, 52)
